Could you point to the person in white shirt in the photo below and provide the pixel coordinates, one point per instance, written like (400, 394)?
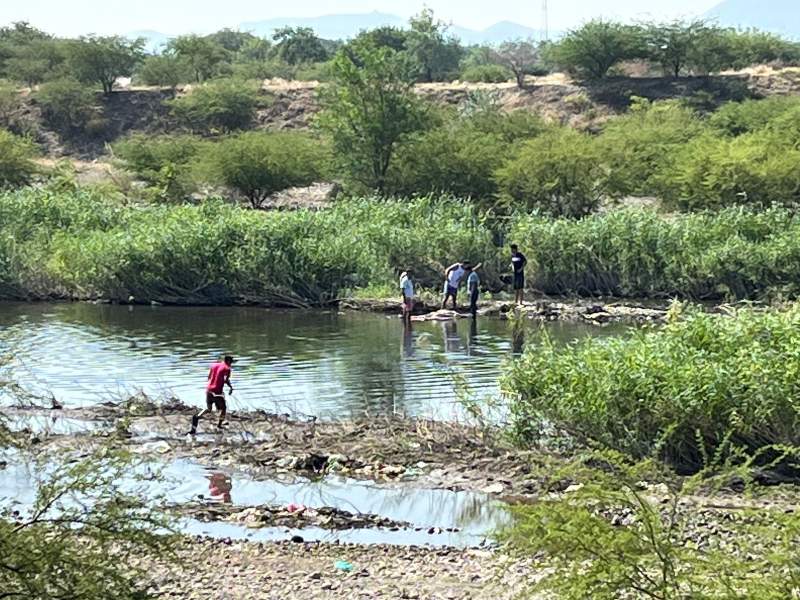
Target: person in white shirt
(407, 290)
(453, 276)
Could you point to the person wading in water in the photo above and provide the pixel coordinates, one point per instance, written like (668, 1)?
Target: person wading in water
(219, 375)
(518, 262)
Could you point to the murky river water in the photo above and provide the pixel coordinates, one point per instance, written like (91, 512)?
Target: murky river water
(318, 363)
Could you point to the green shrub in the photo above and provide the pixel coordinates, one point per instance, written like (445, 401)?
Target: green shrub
(758, 169)
(636, 145)
(736, 118)
(16, 160)
(81, 245)
(559, 173)
(220, 106)
(458, 160)
(681, 393)
(67, 105)
(734, 253)
(164, 162)
(257, 164)
(163, 71)
(487, 74)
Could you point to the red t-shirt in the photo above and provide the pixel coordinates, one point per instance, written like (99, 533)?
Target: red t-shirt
(217, 376)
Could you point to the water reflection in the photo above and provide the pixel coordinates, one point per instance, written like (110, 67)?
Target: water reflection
(321, 363)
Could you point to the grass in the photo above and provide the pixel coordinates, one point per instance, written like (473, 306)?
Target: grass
(701, 386)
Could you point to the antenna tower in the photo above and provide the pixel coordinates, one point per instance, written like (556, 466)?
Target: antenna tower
(545, 22)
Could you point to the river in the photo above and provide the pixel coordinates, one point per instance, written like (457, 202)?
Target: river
(321, 363)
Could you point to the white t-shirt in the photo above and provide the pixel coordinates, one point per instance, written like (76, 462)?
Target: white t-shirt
(455, 277)
(407, 286)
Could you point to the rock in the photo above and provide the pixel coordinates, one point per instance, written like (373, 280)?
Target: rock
(297, 539)
(315, 576)
(495, 488)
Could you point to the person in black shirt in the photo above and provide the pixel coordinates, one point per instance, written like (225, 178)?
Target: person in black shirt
(518, 262)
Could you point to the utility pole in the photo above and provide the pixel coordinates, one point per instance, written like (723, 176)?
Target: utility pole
(545, 23)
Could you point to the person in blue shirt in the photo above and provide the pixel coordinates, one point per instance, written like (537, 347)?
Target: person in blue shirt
(473, 285)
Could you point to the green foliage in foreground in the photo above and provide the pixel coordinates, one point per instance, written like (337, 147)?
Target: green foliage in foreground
(16, 164)
(734, 253)
(81, 245)
(87, 536)
(638, 531)
(683, 392)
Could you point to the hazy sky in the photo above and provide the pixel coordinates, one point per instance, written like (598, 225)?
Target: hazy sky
(72, 17)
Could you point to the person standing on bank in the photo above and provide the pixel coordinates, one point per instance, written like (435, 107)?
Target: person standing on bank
(518, 262)
(407, 289)
(473, 285)
(453, 276)
(219, 375)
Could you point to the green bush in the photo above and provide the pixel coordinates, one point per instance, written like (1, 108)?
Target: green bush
(559, 173)
(458, 160)
(636, 145)
(487, 74)
(257, 164)
(757, 169)
(83, 246)
(700, 385)
(734, 253)
(67, 105)
(736, 118)
(220, 106)
(163, 71)
(16, 160)
(164, 162)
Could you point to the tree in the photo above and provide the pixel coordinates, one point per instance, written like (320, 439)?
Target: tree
(258, 164)
(88, 526)
(385, 37)
(596, 47)
(521, 56)
(202, 54)
(559, 173)
(222, 105)
(298, 45)
(16, 160)
(368, 108)
(672, 45)
(436, 54)
(66, 104)
(233, 41)
(166, 70)
(104, 59)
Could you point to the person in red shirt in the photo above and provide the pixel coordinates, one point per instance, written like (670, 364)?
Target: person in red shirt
(218, 376)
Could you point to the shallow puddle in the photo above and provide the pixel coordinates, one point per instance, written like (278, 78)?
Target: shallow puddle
(474, 515)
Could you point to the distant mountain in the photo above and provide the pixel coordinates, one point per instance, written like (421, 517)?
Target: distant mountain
(339, 27)
(779, 16)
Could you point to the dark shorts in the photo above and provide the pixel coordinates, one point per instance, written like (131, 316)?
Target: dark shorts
(450, 291)
(519, 281)
(217, 400)
(408, 304)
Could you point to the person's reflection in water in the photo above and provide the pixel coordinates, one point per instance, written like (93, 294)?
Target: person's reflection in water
(408, 340)
(452, 343)
(472, 340)
(220, 486)
(517, 338)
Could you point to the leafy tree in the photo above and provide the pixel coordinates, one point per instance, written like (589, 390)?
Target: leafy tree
(35, 61)
(636, 145)
(673, 45)
(67, 105)
(559, 173)
(255, 49)
(89, 524)
(166, 70)
(202, 54)
(16, 160)
(436, 54)
(368, 108)
(753, 47)
(298, 45)
(713, 51)
(596, 47)
(258, 164)
(385, 37)
(104, 59)
(520, 56)
(223, 105)
(233, 41)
